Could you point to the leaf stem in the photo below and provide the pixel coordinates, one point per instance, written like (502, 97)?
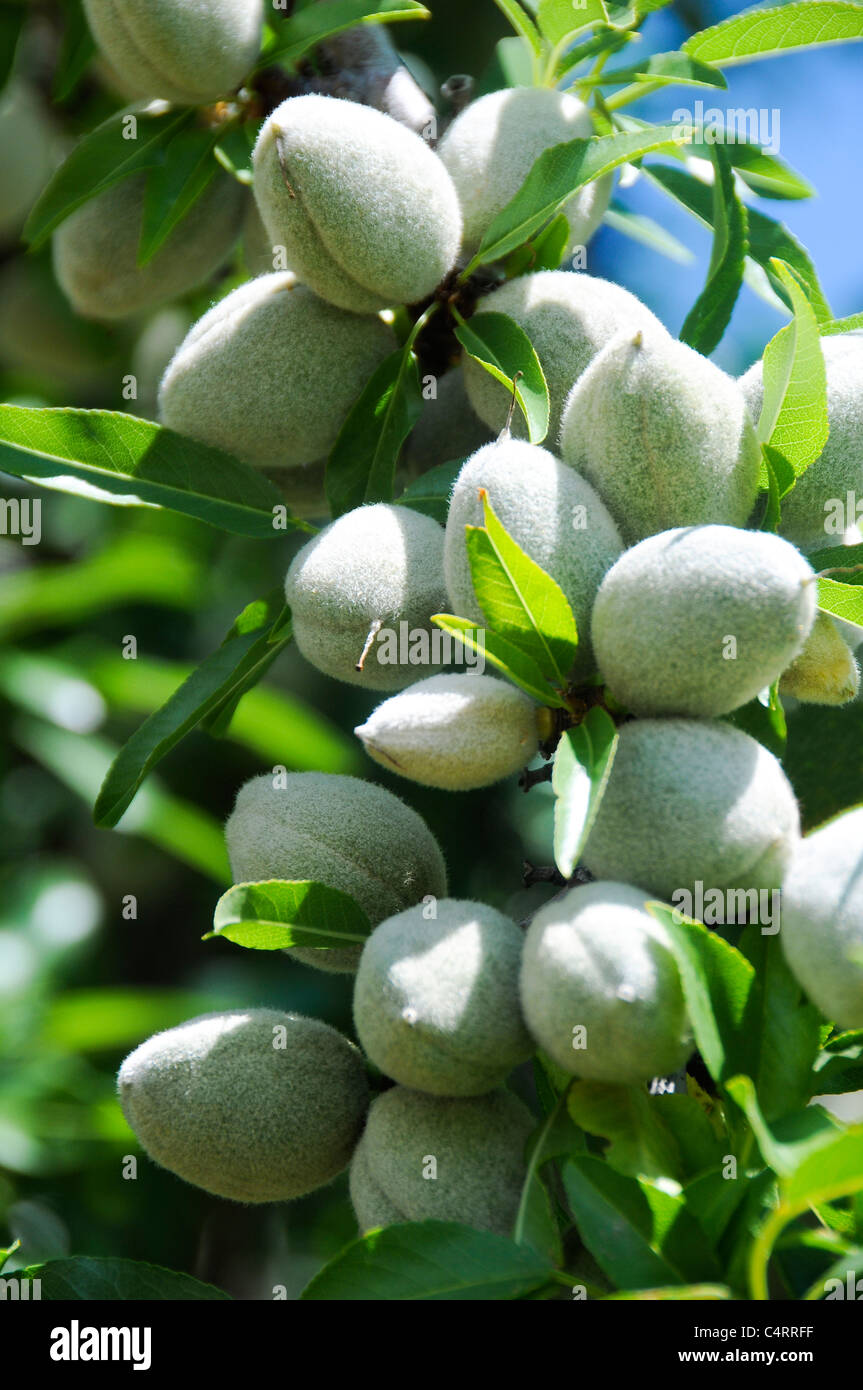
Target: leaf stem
(534, 1164)
(420, 324)
(634, 92)
(762, 1249)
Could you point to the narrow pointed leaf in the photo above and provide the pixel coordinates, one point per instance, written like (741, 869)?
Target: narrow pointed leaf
(711, 314)
(520, 600)
(763, 33)
(511, 660)
(120, 456)
(104, 157)
(361, 467)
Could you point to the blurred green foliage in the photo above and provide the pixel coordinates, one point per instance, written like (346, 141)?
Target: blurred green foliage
(100, 931)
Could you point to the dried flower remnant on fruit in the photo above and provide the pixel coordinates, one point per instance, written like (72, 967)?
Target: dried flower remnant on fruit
(826, 670)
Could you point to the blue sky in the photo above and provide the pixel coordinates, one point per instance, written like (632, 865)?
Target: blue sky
(818, 94)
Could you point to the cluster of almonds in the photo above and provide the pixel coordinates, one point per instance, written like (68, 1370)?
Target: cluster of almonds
(641, 518)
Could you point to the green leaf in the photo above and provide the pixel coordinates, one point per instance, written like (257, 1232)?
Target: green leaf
(520, 600)
(229, 670)
(847, 325)
(839, 557)
(709, 317)
(605, 41)
(76, 54)
(692, 1119)
(521, 23)
(90, 1279)
(713, 1199)
(502, 347)
(104, 157)
(849, 1264)
(271, 613)
(794, 413)
(776, 468)
(557, 174)
(274, 915)
(765, 174)
(560, 19)
(234, 152)
(783, 1027)
(841, 600)
(665, 69)
(582, 767)
(764, 33)
(640, 1236)
(11, 24)
(640, 1144)
(8, 1251)
(264, 718)
(768, 239)
(717, 985)
(301, 33)
(780, 470)
(793, 1140)
(817, 1162)
(555, 1137)
(541, 1226)
(839, 1069)
(647, 232)
(362, 464)
(505, 655)
(185, 169)
(547, 250)
(514, 57)
(430, 1260)
(121, 457)
(431, 492)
